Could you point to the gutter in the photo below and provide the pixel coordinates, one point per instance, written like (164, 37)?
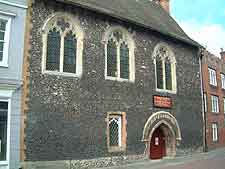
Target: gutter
(205, 146)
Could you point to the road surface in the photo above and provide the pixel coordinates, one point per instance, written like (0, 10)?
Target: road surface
(211, 160)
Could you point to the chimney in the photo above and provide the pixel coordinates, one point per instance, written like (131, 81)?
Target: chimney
(165, 4)
(222, 53)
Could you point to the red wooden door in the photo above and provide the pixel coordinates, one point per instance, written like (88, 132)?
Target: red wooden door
(157, 145)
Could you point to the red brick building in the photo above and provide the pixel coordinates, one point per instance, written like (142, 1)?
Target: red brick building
(213, 69)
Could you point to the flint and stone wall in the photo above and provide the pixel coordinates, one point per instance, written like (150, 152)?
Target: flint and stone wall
(66, 115)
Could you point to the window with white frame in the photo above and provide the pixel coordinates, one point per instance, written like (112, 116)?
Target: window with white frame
(215, 132)
(215, 104)
(205, 103)
(116, 131)
(165, 68)
(119, 51)
(3, 130)
(224, 105)
(62, 45)
(212, 77)
(222, 80)
(4, 39)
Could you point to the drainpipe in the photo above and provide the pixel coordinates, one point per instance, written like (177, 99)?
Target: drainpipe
(205, 147)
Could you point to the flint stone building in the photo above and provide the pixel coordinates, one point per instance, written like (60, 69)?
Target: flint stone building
(108, 79)
(12, 28)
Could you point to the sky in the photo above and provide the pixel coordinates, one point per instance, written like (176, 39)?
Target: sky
(203, 21)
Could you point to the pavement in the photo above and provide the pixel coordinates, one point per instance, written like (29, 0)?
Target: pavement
(211, 160)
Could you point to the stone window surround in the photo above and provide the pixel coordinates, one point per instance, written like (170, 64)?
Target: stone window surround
(121, 148)
(75, 27)
(171, 56)
(212, 76)
(215, 108)
(4, 62)
(215, 136)
(128, 38)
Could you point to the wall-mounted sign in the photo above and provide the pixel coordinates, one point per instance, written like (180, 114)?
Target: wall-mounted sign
(162, 102)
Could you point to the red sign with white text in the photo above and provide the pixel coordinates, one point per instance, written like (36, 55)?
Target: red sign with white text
(162, 102)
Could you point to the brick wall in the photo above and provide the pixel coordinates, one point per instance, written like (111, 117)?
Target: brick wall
(211, 61)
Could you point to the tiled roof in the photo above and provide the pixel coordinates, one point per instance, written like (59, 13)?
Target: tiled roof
(140, 12)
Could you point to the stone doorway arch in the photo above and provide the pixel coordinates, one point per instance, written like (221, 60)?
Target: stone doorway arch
(167, 123)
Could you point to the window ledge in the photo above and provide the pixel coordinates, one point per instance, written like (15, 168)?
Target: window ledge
(212, 85)
(119, 79)
(116, 149)
(55, 73)
(4, 163)
(4, 65)
(215, 141)
(215, 113)
(166, 91)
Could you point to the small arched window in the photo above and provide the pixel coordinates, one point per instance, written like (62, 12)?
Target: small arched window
(116, 131)
(165, 67)
(62, 45)
(119, 51)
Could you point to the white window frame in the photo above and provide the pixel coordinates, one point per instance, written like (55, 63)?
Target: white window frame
(205, 102)
(212, 77)
(215, 136)
(127, 38)
(75, 27)
(169, 54)
(4, 62)
(4, 97)
(222, 81)
(215, 104)
(224, 105)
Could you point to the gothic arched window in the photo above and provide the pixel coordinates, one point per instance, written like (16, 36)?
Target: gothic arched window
(70, 48)
(111, 58)
(53, 50)
(165, 67)
(62, 45)
(116, 131)
(119, 55)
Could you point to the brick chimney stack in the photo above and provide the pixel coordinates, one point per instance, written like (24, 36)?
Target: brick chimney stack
(222, 53)
(164, 3)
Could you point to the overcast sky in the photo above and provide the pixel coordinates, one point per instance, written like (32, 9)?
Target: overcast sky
(202, 20)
